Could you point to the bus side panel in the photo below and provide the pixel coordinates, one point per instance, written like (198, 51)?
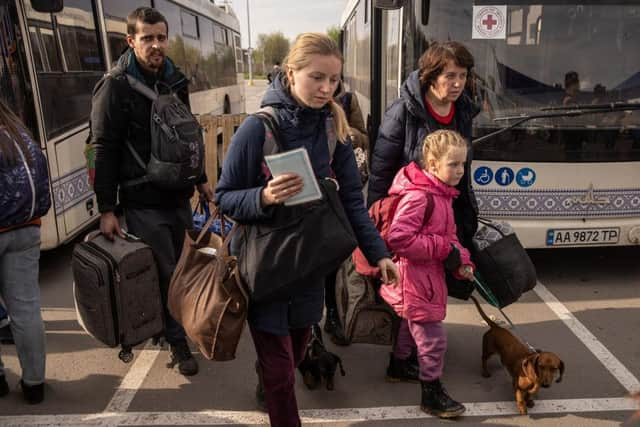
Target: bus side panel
(539, 198)
(74, 202)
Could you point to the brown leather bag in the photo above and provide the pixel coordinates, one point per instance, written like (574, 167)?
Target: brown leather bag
(206, 295)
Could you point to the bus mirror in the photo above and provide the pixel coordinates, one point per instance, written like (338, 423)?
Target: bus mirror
(47, 6)
(388, 4)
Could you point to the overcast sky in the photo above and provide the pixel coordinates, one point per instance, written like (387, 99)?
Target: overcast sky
(292, 17)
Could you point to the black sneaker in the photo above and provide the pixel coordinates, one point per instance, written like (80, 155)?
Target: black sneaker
(401, 370)
(33, 394)
(435, 401)
(181, 356)
(6, 336)
(333, 327)
(4, 386)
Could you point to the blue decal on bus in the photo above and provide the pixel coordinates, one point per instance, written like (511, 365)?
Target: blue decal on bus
(504, 176)
(525, 177)
(483, 175)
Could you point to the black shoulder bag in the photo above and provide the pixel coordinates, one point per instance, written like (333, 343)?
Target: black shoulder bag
(310, 240)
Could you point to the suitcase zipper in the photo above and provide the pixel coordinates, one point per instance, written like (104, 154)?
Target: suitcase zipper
(92, 247)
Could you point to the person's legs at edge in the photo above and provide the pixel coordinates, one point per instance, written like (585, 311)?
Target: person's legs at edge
(19, 286)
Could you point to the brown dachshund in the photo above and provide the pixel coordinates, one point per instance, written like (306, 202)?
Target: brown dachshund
(529, 370)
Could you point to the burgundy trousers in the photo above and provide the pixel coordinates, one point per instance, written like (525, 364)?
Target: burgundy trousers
(278, 358)
(430, 340)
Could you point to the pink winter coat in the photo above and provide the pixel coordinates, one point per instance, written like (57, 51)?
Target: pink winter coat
(421, 246)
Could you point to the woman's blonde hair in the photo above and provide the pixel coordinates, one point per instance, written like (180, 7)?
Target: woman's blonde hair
(439, 142)
(299, 57)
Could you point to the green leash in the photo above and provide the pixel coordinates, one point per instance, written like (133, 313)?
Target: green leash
(486, 293)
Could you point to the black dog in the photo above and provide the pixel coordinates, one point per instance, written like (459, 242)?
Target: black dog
(319, 363)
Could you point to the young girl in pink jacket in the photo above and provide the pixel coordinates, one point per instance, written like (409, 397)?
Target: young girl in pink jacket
(423, 239)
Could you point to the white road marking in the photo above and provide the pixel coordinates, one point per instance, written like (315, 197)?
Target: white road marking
(610, 362)
(133, 380)
(351, 415)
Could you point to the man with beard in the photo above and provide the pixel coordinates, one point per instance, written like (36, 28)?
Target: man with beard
(120, 125)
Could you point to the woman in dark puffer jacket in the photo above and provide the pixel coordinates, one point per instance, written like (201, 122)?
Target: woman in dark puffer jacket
(436, 96)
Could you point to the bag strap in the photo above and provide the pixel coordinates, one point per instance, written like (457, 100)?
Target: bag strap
(490, 224)
(273, 137)
(141, 88)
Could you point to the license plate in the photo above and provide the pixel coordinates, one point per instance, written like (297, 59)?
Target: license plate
(582, 236)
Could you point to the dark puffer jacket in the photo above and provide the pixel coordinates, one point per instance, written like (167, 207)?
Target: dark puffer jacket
(405, 125)
(119, 113)
(24, 188)
(239, 189)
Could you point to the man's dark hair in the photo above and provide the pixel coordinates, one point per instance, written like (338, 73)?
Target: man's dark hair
(146, 15)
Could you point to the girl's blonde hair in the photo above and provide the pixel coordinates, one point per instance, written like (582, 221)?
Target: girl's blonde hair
(299, 57)
(439, 142)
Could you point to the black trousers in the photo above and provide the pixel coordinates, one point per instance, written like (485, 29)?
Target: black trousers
(164, 231)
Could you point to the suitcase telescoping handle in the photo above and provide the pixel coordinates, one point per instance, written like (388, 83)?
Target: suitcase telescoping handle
(128, 236)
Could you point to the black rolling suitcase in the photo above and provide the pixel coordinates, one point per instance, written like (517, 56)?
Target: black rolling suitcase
(116, 291)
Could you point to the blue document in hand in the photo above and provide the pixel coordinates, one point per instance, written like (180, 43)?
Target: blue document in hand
(296, 161)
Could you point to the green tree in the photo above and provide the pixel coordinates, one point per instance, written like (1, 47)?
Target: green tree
(334, 33)
(274, 47)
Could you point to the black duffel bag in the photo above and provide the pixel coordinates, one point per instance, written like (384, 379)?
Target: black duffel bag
(503, 262)
(307, 240)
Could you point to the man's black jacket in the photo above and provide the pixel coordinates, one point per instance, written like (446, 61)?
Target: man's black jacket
(119, 113)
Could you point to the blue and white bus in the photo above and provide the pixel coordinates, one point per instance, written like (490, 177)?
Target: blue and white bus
(569, 178)
(51, 60)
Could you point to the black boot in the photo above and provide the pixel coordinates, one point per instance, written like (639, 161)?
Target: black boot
(181, 356)
(436, 401)
(333, 327)
(33, 394)
(401, 370)
(260, 400)
(6, 337)
(4, 387)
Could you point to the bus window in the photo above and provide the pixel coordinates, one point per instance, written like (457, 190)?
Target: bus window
(115, 13)
(66, 76)
(78, 37)
(391, 45)
(15, 89)
(238, 48)
(189, 24)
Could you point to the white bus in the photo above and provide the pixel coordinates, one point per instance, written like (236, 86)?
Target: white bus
(52, 60)
(569, 178)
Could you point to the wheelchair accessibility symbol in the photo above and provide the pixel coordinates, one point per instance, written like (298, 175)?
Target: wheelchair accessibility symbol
(483, 175)
(526, 177)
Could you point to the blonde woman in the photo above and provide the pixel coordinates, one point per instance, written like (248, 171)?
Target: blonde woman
(302, 99)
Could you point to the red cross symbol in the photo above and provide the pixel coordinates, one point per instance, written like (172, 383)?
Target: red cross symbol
(489, 22)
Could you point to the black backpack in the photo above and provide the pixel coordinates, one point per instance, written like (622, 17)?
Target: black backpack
(177, 147)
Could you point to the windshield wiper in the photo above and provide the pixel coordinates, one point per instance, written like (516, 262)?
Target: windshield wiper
(615, 106)
(568, 111)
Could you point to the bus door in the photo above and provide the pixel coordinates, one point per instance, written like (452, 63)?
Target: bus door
(68, 62)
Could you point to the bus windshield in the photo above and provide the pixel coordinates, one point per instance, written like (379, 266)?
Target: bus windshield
(554, 55)
(564, 55)
(551, 55)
